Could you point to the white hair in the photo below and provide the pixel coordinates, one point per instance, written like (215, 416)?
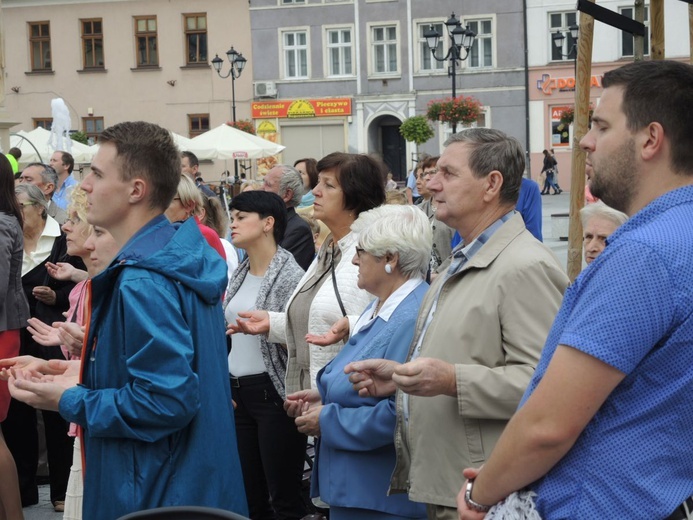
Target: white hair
(599, 209)
(404, 230)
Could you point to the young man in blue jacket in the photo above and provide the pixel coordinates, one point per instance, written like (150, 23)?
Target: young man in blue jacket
(154, 400)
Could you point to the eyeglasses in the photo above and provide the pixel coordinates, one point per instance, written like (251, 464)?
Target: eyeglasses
(72, 221)
(360, 251)
(25, 204)
(428, 173)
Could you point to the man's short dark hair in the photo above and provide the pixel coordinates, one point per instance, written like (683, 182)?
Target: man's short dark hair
(192, 158)
(15, 152)
(659, 91)
(68, 161)
(490, 150)
(147, 151)
(361, 177)
(266, 204)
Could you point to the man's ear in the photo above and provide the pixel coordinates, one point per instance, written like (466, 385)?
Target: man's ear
(138, 190)
(48, 189)
(652, 140)
(494, 182)
(288, 195)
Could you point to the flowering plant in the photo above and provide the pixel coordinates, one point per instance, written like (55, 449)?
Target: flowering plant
(243, 124)
(462, 109)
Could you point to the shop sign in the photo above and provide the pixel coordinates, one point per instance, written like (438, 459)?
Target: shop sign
(547, 84)
(301, 108)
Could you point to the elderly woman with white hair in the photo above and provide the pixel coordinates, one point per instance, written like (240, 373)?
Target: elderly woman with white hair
(599, 221)
(356, 452)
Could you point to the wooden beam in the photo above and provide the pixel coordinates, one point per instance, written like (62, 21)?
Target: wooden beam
(580, 127)
(657, 29)
(639, 41)
(690, 31)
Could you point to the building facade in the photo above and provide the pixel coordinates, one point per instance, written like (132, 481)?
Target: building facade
(119, 60)
(343, 74)
(552, 70)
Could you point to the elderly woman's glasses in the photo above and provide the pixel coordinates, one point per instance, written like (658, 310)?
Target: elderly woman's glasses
(360, 251)
(73, 221)
(25, 204)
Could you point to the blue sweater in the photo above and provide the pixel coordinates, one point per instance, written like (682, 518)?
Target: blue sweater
(356, 453)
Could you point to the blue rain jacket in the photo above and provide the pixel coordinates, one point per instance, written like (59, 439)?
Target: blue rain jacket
(155, 401)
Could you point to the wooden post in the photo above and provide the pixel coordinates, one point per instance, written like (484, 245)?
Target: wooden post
(657, 29)
(690, 30)
(639, 41)
(580, 126)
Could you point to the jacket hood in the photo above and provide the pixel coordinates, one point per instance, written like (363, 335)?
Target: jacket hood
(179, 252)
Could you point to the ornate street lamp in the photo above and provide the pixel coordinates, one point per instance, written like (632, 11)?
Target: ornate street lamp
(237, 62)
(461, 38)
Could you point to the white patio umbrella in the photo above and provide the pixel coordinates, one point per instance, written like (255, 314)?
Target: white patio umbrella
(39, 138)
(231, 143)
(184, 144)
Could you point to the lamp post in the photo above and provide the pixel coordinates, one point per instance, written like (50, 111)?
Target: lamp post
(237, 62)
(460, 38)
(558, 38)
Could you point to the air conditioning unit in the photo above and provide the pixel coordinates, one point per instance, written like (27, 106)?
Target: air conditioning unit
(265, 89)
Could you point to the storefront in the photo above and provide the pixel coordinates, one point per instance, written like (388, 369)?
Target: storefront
(307, 127)
(552, 102)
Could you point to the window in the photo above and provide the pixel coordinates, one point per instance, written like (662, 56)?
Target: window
(339, 52)
(561, 22)
(426, 61)
(295, 54)
(197, 124)
(196, 38)
(40, 43)
(145, 41)
(628, 40)
(384, 48)
(481, 53)
(92, 44)
(43, 122)
(92, 126)
(292, 2)
(445, 130)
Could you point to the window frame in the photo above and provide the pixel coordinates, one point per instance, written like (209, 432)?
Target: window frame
(568, 42)
(372, 26)
(284, 61)
(93, 37)
(199, 32)
(329, 73)
(422, 46)
(445, 129)
(194, 132)
(648, 36)
(147, 34)
(44, 43)
(477, 41)
(92, 136)
(42, 122)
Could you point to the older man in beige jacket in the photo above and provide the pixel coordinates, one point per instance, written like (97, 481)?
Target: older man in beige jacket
(480, 329)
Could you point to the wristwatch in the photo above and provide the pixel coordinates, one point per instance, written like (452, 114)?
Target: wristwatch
(480, 508)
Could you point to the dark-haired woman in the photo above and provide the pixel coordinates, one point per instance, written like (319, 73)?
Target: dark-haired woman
(348, 185)
(14, 312)
(270, 446)
(309, 173)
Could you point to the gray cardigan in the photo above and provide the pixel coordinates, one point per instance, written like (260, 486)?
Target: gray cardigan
(279, 282)
(14, 309)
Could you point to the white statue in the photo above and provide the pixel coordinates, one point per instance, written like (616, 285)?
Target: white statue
(60, 130)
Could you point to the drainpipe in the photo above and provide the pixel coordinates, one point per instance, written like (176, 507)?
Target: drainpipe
(524, 16)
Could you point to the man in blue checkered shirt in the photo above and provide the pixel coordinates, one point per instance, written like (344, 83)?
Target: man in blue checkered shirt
(605, 429)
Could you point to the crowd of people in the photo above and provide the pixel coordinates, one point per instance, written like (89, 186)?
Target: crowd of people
(435, 352)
